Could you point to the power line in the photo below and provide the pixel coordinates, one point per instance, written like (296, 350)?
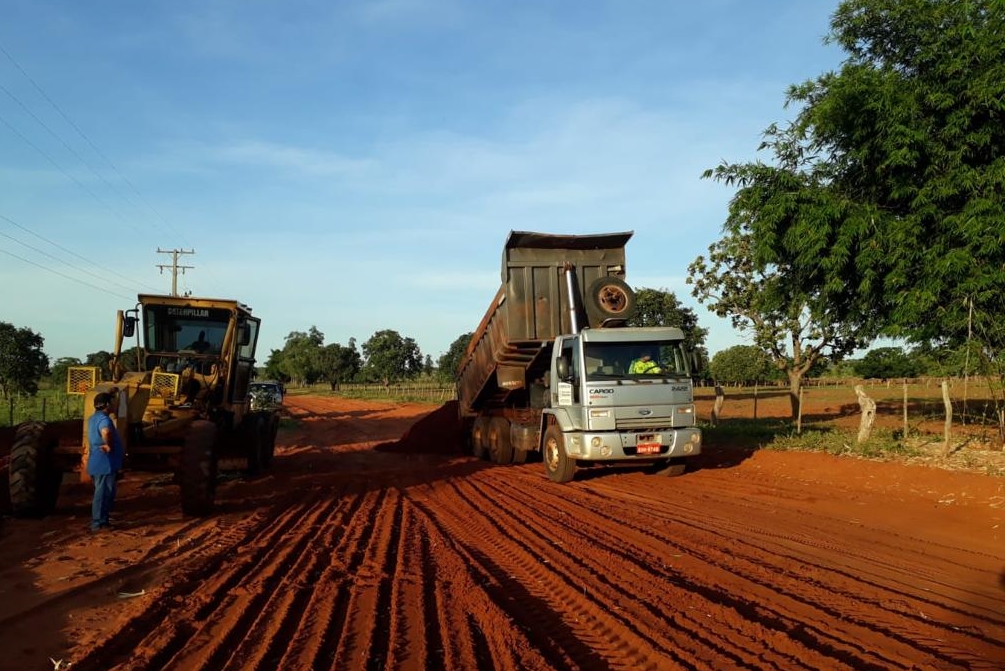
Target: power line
(68, 251)
(72, 279)
(170, 229)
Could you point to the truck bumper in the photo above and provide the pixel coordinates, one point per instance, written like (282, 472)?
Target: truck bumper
(617, 446)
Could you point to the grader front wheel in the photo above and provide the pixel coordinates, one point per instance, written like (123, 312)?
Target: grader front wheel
(197, 474)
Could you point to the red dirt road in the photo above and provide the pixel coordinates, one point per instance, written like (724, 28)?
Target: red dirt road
(374, 544)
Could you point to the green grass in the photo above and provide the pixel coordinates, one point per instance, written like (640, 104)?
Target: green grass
(50, 405)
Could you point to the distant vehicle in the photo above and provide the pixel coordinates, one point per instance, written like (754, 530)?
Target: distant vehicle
(265, 395)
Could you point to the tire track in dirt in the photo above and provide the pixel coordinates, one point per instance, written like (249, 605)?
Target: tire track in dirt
(765, 578)
(349, 557)
(182, 626)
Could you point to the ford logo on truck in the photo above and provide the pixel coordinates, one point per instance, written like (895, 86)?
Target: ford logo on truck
(645, 412)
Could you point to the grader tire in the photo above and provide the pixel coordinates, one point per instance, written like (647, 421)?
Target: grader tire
(34, 477)
(253, 440)
(197, 474)
(271, 430)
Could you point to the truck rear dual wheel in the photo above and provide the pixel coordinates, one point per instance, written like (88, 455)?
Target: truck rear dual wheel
(197, 475)
(480, 438)
(559, 466)
(500, 445)
(34, 477)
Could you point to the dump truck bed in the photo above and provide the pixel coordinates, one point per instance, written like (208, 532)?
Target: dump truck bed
(512, 344)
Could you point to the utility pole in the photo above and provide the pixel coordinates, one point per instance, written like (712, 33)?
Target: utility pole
(175, 253)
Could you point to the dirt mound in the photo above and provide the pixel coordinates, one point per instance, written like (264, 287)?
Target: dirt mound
(439, 432)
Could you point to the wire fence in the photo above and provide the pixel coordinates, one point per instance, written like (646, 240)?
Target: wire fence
(49, 406)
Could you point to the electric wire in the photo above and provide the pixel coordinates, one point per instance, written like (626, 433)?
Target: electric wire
(168, 228)
(72, 279)
(68, 251)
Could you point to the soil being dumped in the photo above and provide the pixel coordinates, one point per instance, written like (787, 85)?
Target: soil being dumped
(374, 543)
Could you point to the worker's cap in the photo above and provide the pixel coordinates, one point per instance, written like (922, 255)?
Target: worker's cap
(102, 400)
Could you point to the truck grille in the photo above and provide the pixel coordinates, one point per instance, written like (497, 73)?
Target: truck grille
(626, 424)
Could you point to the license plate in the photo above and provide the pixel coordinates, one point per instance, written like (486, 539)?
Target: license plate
(648, 444)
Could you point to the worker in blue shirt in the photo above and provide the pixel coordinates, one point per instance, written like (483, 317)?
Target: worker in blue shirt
(104, 459)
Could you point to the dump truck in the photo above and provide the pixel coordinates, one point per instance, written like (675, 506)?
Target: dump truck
(553, 369)
(186, 410)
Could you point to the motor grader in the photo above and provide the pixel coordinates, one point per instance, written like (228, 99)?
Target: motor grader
(186, 410)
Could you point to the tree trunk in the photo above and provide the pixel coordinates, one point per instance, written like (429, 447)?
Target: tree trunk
(795, 388)
(868, 407)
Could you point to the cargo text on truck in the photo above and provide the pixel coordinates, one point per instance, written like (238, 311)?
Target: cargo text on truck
(549, 367)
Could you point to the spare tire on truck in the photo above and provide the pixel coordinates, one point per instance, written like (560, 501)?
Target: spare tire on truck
(609, 298)
(197, 469)
(34, 476)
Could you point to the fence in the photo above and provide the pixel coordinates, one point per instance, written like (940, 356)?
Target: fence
(429, 393)
(47, 406)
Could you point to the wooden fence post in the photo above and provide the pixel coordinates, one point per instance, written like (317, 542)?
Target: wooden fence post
(949, 416)
(755, 400)
(868, 407)
(905, 408)
(720, 397)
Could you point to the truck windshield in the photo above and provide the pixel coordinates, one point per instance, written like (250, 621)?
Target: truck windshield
(607, 361)
(182, 329)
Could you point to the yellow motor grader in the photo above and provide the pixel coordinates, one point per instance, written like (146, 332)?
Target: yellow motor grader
(187, 410)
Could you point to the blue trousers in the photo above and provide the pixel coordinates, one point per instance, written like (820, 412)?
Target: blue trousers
(104, 499)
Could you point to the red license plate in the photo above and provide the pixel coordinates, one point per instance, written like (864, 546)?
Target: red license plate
(648, 448)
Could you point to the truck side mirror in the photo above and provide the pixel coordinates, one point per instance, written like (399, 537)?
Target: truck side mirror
(245, 335)
(563, 368)
(128, 326)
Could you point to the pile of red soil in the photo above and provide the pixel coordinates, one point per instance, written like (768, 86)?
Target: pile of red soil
(439, 432)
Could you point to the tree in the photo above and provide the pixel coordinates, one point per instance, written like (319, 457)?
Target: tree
(886, 362)
(57, 372)
(905, 145)
(338, 364)
(22, 361)
(796, 323)
(660, 307)
(299, 358)
(883, 201)
(390, 357)
(741, 364)
(450, 360)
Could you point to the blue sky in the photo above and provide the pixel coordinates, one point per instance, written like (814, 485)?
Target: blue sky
(357, 165)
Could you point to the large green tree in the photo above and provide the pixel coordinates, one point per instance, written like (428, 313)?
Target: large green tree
(882, 202)
(339, 363)
(57, 372)
(912, 128)
(22, 361)
(448, 362)
(741, 364)
(391, 357)
(660, 307)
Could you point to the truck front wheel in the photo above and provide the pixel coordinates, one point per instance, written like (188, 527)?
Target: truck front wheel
(557, 463)
(198, 469)
(34, 477)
